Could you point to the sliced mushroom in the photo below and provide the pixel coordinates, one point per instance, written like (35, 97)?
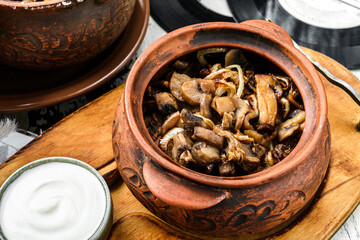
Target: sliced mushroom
(153, 122)
(293, 95)
(181, 144)
(166, 103)
(206, 86)
(266, 100)
(285, 104)
(176, 81)
(180, 65)
(209, 123)
(208, 136)
(235, 56)
(243, 138)
(251, 164)
(265, 128)
(269, 160)
(227, 121)
(287, 128)
(284, 81)
(258, 150)
(275, 85)
(205, 105)
(233, 151)
(224, 104)
(227, 169)
(249, 116)
(281, 151)
(186, 158)
(251, 161)
(277, 154)
(253, 102)
(259, 138)
(191, 91)
(241, 110)
(205, 154)
(171, 122)
(190, 121)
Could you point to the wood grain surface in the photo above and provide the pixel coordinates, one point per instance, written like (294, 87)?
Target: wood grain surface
(86, 135)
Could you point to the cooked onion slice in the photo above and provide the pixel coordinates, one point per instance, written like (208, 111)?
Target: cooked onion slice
(241, 79)
(168, 136)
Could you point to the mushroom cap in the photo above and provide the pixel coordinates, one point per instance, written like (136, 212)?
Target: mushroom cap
(191, 91)
(166, 103)
(208, 136)
(176, 81)
(223, 104)
(205, 154)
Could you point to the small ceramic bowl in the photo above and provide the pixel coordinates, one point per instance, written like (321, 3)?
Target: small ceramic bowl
(57, 33)
(104, 227)
(243, 207)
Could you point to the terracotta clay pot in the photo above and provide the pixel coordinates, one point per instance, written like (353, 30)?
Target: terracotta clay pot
(246, 207)
(55, 33)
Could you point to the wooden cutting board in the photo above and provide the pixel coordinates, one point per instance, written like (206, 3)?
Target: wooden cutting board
(86, 135)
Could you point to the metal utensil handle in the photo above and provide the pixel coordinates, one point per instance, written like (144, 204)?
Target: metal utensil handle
(331, 78)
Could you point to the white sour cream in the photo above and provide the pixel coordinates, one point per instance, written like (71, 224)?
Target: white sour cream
(55, 200)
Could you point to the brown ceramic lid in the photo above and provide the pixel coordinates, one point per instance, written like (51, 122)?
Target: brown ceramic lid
(25, 90)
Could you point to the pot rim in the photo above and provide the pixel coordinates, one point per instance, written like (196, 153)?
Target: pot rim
(296, 157)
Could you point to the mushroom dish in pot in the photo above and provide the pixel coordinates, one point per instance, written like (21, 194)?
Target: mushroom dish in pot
(215, 112)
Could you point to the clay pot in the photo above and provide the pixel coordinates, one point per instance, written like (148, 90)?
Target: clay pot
(246, 207)
(55, 33)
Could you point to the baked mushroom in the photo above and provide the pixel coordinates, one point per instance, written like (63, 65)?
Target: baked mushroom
(166, 103)
(186, 158)
(191, 91)
(249, 116)
(205, 105)
(176, 81)
(181, 144)
(171, 122)
(208, 136)
(267, 103)
(227, 169)
(293, 95)
(205, 154)
(227, 121)
(241, 110)
(290, 126)
(285, 105)
(190, 121)
(233, 151)
(251, 161)
(235, 56)
(224, 104)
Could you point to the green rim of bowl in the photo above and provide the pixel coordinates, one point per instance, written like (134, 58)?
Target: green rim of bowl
(104, 228)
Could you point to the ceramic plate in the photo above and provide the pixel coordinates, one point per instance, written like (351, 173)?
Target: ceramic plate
(25, 90)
